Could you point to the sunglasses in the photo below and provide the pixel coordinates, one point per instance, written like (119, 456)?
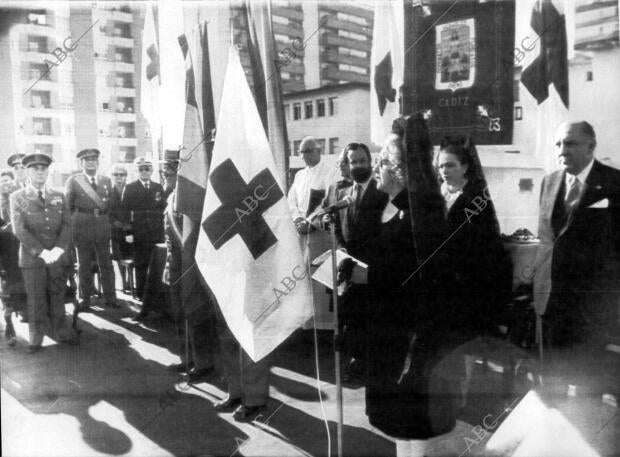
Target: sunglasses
(144, 168)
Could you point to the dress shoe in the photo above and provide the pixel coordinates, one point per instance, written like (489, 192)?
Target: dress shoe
(141, 316)
(247, 413)
(180, 367)
(74, 341)
(195, 375)
(83, 307)
(33, 348)
(227, 405)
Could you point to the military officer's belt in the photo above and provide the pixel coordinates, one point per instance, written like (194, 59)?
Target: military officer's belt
(93, 212)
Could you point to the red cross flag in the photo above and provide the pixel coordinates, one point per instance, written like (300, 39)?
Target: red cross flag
(248, 251)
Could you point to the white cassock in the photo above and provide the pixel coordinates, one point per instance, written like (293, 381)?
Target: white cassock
(308, 184)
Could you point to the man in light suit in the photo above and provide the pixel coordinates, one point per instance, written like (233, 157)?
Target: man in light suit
(576, 281)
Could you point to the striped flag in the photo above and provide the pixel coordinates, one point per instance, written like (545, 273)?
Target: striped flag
(150, 78)
(546, 76)
(197, 147)
(386, 67)
(248, 251)
(267, 80)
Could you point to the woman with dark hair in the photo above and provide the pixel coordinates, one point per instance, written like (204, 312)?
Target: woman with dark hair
(483, 268)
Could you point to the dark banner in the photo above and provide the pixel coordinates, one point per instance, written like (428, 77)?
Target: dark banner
(459, 67)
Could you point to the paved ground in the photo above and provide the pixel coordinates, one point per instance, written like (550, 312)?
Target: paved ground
(113, 395)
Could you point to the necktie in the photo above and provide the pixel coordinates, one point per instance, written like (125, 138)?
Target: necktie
(358, 199)
(40, 193)
(572, 196)
(146, 185)
(93, 184)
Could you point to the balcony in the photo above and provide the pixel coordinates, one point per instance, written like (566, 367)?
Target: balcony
(336, 7)
(334, 56)
(292, 86)
(293, 29)
(330, 39)
(333, 74)
(288, 12)
(334, 23)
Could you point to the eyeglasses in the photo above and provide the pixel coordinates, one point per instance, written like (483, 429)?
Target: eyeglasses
(144, 168)
(119, 174)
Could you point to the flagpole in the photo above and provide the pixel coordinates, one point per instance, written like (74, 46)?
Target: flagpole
(337, 342)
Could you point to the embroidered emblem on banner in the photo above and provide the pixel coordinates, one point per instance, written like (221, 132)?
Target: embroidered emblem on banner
(455, 64)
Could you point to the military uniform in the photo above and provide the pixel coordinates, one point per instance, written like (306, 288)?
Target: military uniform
(189, 299)
(43, 224)
(91, 231)
(144, 209)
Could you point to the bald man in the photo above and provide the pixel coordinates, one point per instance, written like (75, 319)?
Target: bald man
(576, 283)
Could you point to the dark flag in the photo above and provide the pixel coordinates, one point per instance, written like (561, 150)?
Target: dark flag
(267, 80)
(546, 76)
(195, 155)
(459, 68)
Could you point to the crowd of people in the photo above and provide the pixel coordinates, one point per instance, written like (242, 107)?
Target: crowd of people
(397, 325)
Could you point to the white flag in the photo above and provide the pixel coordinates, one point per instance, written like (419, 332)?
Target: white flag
(386, 67)
(248, 251)
(172, 95)
(149, 86)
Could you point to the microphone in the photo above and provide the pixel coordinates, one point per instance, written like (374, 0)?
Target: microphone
(346, 201)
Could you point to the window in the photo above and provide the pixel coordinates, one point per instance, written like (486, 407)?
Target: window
(44, 149)
(37, 43)
(39, 71)
(296, 146)
(333, 145)
(333, 105)
(351, 18)
(40, 99)
(589, 76)
(321, 144)
(279, 19)
(352, 52)
(351, 35)
(296, 111)
(353, 68)
(42, 126)
(126, 130)
(308, 110)
(320, 108)
(105, 106)
(286, 112)
(37, 18)
(127, 153)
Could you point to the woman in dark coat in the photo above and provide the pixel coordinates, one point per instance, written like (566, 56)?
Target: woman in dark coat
(405, 398)
(483, 268)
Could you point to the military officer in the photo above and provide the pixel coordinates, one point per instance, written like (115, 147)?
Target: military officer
(88, 196)
(143, 207)
(15, 162)
(41, 223)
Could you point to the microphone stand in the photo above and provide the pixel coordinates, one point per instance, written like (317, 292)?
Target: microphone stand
(337, 342)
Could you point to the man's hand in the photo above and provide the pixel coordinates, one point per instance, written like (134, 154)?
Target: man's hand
(46, 255)
(166, 276)
(302, 225)
(55, 253)
(345, 270)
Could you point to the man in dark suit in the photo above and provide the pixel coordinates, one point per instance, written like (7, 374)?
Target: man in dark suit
(576, 281)
(88, 196)
(15, 162)
(41, 223)
(143, 207)
(356, 225)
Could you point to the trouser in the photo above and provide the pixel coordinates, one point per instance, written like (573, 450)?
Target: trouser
(45, 289)
(353, 321)
(143, 250)
(88, 251)
(246, 379)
